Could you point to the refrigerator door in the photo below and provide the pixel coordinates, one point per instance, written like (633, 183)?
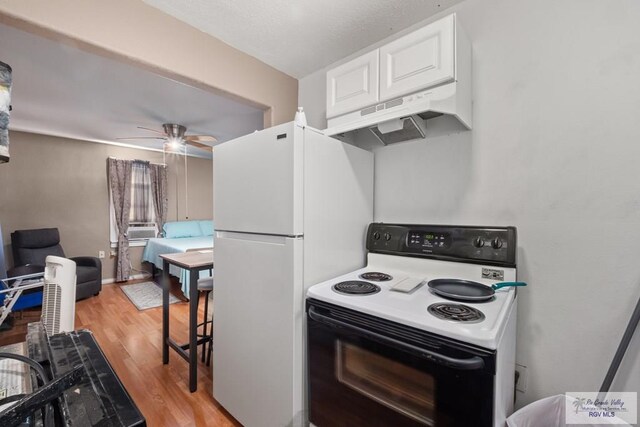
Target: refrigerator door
(258, 306)
(258, 182)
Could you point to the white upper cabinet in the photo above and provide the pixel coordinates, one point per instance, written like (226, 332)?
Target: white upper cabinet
(426, 70)
(419, 60)
(353, 85)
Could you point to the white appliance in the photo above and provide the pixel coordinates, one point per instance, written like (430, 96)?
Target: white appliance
(445, 361)
(291, 207)
(59, 295)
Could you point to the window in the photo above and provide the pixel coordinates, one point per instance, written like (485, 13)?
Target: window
(142, 216)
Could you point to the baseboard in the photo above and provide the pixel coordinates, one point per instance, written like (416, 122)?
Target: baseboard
(132, 277)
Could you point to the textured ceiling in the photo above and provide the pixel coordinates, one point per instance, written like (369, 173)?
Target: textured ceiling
(63, 91)
(299, 37)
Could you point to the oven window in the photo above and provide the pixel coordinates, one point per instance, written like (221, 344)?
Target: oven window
(402, 388)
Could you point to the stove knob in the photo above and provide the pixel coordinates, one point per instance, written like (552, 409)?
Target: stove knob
(496, 243)
(387, 236)
(376, 236)
(478, 242)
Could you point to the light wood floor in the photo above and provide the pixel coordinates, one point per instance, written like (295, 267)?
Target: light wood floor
(131, 340)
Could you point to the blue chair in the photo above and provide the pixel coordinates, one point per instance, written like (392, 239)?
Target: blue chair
(30, 297)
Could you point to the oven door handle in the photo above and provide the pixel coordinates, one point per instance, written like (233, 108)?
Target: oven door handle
(472, 363)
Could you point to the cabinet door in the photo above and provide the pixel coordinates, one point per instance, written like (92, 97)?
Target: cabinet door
(419, 60)
(353, 85)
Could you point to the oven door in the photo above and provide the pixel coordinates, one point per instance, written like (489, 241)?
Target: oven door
(366, 371)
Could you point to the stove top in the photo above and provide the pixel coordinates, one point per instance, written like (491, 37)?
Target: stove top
(355, 287)
(403, 258)
(412, 308)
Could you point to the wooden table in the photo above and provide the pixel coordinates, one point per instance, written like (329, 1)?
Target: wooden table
(194, 262)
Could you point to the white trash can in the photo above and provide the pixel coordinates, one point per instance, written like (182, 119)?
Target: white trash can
(551, 412)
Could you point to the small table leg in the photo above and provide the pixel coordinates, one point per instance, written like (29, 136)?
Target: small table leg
(165, 312)
(194, 275)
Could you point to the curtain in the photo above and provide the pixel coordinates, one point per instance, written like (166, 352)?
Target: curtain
(159, 192)
(120, 184)
(140, 192)
(5, 107)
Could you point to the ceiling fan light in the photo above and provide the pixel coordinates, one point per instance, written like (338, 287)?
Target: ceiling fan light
(174, 142)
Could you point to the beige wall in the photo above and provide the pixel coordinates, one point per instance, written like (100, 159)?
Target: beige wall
(131, 31)
(57, 182)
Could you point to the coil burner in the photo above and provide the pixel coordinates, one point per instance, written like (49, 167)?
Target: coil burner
(356, 287)
(376, 276)
(456, 312)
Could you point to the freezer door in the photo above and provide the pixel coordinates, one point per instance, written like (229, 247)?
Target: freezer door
(258, 312)
(258, 182)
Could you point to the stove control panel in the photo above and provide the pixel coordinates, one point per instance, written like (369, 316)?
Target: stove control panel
(428, 239)
(483, 245)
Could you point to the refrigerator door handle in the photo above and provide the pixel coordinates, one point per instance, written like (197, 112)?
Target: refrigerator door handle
(255, 237)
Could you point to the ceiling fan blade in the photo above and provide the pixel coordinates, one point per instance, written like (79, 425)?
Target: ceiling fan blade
(144, 137)
(200, 138)
(198, 145)
(152, 130)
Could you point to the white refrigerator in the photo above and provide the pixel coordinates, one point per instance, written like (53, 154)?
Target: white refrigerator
(291, 207)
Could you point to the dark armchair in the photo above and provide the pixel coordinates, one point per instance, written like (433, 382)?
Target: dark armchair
(31, 247)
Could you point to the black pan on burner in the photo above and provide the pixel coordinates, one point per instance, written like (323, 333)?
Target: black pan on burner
(467, 290)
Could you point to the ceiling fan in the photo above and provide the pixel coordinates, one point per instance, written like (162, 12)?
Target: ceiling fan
(175, 138)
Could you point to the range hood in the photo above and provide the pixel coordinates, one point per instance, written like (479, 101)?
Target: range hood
(398, 130)
(404, 119)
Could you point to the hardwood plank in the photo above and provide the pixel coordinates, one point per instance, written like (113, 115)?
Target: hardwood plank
(131, 340)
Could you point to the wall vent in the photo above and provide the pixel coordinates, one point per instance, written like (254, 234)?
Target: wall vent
(394, 103)
(369, 110)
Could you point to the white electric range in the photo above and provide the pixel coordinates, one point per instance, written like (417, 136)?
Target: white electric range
(383, 342)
